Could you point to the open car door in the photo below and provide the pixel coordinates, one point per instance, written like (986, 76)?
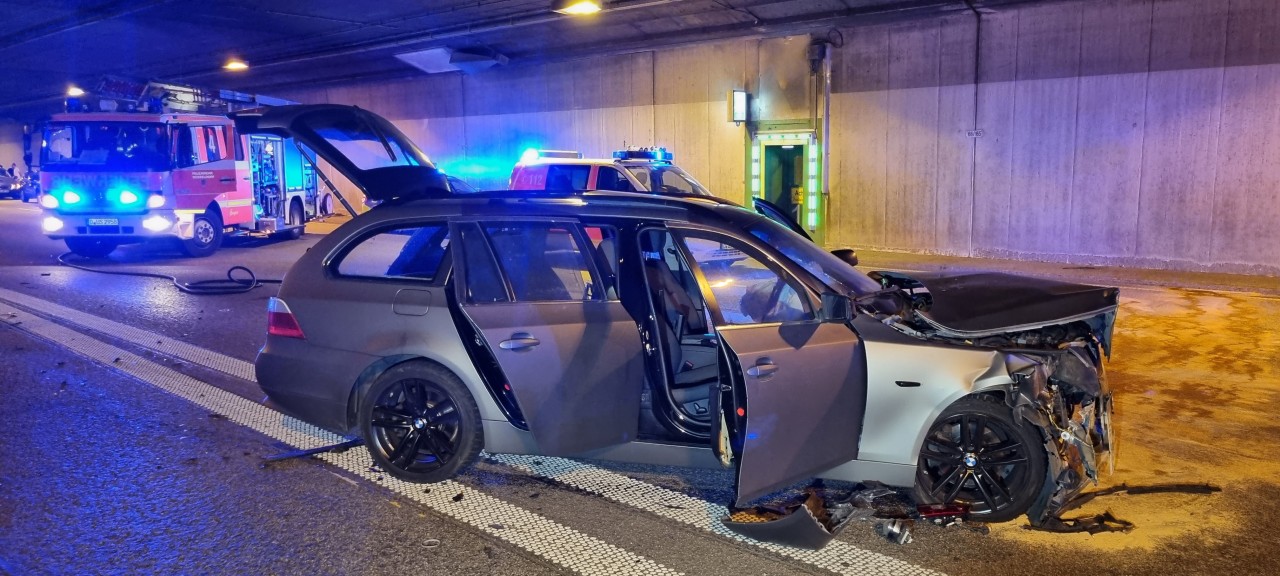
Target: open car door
(799, 380)
(568, 349)
(376, 156)
(773, 212)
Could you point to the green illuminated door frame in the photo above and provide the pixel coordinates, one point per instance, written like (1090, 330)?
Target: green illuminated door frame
(813, 215)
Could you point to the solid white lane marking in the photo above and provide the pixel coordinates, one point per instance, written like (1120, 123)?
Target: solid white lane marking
(838, 557)
(548, 539)
(165, 345)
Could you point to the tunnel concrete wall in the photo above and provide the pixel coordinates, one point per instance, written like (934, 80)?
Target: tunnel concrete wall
(1126, 132)
(1140, 133)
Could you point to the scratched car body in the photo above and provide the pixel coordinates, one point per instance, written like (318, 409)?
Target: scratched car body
(584, 324)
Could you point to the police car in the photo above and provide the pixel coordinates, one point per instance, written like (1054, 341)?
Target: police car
(630, 170)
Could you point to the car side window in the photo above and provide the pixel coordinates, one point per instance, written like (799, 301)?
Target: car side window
(611, 179)
(413, 252)
(746, 290)
(543, 261)
(564, 178)
(484, 283)
(604, 243)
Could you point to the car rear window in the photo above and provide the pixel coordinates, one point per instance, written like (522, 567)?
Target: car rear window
(411, 252)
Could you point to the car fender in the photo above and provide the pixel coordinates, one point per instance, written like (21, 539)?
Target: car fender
(905, 394)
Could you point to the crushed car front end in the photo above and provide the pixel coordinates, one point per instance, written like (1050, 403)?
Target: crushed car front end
(1053, 338)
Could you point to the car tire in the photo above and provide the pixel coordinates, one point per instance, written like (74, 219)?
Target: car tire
(206, 236)
(420, 423)
(997, 468)
(91, 247)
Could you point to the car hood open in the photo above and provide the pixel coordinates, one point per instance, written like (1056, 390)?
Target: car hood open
(366, 148)
(980, 304)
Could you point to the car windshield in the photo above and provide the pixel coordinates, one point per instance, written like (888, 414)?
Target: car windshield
(107, 146)
(667, 179)
(833, 271)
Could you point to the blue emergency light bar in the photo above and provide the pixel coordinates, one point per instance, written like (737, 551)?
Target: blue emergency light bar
(651, 153)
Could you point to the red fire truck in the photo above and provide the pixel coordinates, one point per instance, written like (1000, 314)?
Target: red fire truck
(157, 167)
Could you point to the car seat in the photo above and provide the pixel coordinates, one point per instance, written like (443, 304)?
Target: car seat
(692, 358)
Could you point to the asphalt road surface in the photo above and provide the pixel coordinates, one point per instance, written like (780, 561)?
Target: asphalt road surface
(134, 440)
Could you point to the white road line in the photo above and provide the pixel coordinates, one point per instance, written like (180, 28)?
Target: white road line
(168, 346)
(838, 557)
(541, 536)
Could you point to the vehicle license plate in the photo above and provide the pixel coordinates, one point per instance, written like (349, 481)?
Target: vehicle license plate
(104, 221)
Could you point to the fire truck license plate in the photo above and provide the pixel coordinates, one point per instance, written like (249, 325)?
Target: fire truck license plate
(104, 221)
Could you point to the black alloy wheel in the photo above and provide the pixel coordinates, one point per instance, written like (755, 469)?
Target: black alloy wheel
(978, 455)
(420, 423)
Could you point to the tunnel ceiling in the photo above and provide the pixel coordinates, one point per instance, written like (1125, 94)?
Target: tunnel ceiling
(46, 46)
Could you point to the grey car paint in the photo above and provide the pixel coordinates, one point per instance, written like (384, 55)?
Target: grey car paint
(811, 368)
(355, 331)
(575, 368)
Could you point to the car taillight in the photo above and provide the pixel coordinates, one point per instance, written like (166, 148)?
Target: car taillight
(281, 321)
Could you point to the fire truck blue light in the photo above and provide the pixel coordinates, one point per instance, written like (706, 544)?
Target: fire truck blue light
(70, 197)
(128, 197)
(529, 155)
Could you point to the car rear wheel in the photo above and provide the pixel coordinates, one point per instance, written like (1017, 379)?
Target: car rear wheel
(206, 236)
(978, 454)
(420, 423)
(91, 247)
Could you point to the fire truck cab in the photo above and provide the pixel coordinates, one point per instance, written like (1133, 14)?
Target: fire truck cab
(116, 177)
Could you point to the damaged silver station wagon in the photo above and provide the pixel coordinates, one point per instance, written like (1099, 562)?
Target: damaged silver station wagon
(606, 325)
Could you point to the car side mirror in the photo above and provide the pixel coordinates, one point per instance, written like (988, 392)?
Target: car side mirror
(847, 255)
(836, 308)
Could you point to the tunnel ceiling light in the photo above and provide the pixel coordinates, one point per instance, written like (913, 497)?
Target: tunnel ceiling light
(576, 7)
(75, 91)
(235, 65)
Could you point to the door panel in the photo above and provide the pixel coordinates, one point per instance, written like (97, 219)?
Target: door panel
(805, 386)
(575, 368)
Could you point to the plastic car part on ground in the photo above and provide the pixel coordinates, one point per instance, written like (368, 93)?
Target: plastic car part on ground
(815, 522)
(1106, 522)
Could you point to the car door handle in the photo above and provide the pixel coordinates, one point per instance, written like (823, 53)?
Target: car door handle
(519, 341)
(764, 367)
(227, 179)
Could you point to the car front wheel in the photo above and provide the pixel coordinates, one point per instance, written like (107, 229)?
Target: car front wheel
(206, 236)
(420, 423)
(977, 454)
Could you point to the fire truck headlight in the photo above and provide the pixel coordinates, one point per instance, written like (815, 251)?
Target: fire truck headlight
(128, 197)
(51, 224)
(49, 201)
(155, 201)
(156, 223)
(70, 197)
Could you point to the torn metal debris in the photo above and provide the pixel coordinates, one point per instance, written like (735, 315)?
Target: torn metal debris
(336, 448)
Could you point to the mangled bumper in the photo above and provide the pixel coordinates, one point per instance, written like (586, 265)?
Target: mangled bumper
(1065, 395)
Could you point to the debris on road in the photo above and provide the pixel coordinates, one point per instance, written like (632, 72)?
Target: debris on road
(896, 530)
(336, 448)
